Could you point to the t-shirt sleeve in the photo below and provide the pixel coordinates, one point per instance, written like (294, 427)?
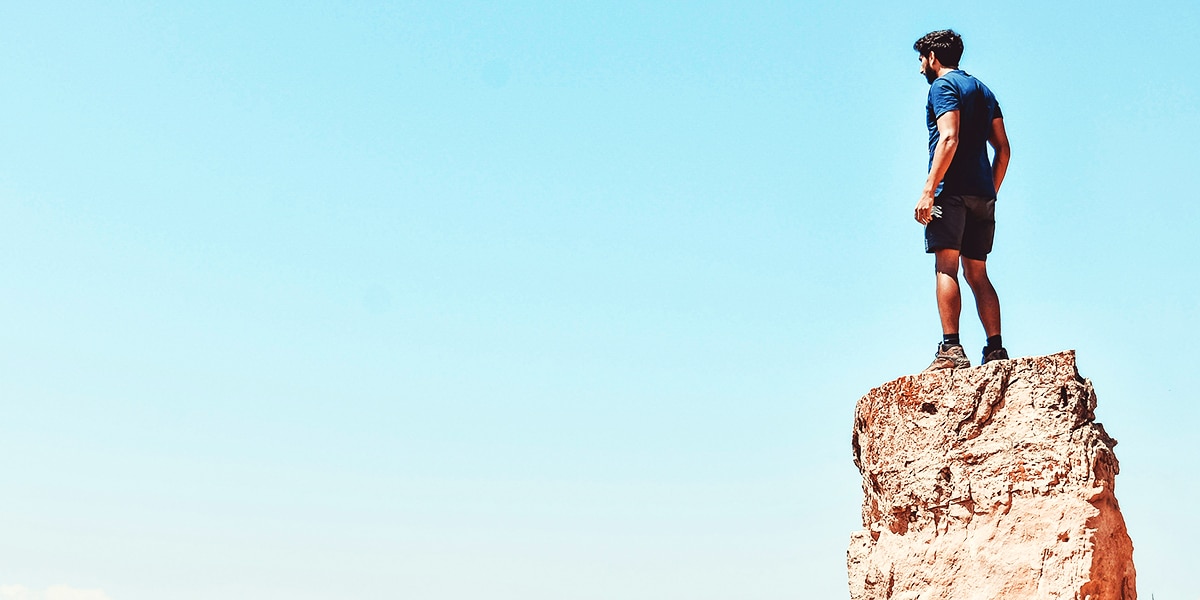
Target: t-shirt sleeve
(996, 114)
(944, 97)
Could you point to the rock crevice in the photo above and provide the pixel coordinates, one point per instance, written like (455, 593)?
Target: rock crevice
(991, 482)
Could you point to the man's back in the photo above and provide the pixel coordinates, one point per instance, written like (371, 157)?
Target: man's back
(970, 172)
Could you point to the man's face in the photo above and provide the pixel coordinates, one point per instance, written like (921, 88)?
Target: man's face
(927, 69)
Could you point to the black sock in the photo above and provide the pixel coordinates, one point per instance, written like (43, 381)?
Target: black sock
(951, 339)
(993, 342)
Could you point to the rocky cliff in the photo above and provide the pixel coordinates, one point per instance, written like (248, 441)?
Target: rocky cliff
(988, 483)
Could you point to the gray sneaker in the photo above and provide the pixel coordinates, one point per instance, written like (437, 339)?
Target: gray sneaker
(994, 354)
(949, 356)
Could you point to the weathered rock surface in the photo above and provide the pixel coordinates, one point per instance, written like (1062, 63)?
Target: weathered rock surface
(988, 483)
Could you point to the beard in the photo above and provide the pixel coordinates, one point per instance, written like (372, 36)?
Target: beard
(930, 75)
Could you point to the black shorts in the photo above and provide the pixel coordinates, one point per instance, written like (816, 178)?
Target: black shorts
(967, 224)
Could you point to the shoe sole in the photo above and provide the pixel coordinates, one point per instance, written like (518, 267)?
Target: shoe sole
(941, 364)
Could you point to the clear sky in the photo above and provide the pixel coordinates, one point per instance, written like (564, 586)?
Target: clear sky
(545, 300)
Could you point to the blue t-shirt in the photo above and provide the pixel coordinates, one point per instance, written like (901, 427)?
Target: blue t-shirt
(970, 173)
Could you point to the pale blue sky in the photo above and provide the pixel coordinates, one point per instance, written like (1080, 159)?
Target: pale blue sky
(547, 301)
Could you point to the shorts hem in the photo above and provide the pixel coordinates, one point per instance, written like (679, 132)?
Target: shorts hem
(933, 249)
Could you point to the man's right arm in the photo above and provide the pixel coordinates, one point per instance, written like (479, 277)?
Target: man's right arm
(999, 141)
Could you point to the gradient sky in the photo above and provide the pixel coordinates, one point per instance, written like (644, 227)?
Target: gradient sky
(542, 300)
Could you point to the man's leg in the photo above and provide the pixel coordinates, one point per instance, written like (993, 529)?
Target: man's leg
(986, 300)
(949, 298)
(950, 353)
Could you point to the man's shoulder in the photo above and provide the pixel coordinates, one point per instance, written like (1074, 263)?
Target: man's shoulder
(968, 85)
(974, 81)
(959, 78)
(943, 86)
(957, 82)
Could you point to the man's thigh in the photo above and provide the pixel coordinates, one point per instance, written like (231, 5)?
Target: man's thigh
(979, 226)
(946, 231)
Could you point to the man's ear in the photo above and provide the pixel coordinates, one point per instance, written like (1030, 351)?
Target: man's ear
(933, 59)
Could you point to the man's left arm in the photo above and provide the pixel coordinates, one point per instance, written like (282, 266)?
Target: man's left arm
(999, 141)
(943, 153)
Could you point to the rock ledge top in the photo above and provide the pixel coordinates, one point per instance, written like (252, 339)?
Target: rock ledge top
(986, 483)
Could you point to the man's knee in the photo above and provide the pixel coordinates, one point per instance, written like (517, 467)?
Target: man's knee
(975, 272)
(946, 262)
(946, 271)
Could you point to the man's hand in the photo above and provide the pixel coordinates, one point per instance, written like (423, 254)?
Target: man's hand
(924, 210)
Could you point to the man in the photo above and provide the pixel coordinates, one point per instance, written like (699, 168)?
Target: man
(957, 206)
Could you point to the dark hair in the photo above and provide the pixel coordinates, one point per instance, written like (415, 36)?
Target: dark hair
(947, 44)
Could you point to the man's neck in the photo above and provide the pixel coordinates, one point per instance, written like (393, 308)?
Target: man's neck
(943, 70)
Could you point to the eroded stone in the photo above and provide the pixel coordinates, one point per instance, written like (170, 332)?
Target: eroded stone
(988, 483)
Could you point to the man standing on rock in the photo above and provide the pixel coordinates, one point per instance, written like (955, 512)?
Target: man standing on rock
(958, 204)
